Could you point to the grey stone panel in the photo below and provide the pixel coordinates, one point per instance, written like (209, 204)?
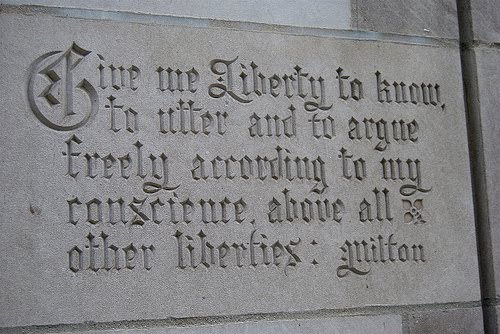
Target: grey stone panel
(451, 321)
(334, 14)
(384, 324)
(486, 20)
(426, 17)
(83, 201)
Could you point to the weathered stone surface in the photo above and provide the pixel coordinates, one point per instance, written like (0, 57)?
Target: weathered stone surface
(488, 73)
(498, 316)
(452, 321)
(486, 20)
(426, 17)
(91, 163)
(386, 324)
(320, 13)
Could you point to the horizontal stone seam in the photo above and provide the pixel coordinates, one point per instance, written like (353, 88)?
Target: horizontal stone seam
(478, 44)
(374, 310)
(193, 22)
(483, 44)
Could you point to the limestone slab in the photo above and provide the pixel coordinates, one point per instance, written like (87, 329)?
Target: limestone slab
(486, 20)
(334, 14)
(423, 18)
(386, 324)
(153, 171)
(467, 320)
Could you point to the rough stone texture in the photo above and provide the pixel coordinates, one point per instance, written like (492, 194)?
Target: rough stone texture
(452, 321)
(426, 17)
(497, 308)
(320, 13)
(313, 266)
(486, 20)
(386, 324)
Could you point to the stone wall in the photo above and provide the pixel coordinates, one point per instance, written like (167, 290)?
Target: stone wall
(251, 167)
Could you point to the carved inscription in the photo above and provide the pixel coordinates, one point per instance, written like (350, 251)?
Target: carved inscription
(51, 90)
(257, 250)
(360, 256)
(231, 152)
(244, 83)
(281, 166)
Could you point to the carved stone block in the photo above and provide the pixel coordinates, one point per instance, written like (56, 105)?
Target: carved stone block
(332, 14)
(422, 18)
(348, 325)
(154, 171)
(467, 320)
(486, 20)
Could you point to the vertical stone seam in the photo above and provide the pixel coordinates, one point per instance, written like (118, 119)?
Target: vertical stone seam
(357, 14)
(405, 323)
(354, 15)
(477, 165)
